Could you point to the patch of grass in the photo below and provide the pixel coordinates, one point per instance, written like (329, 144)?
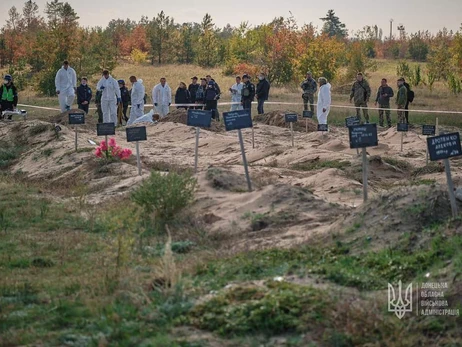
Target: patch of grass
(318, 164)
(400, 164)
(39, 129)
(277, 308)
(9, 153)
(423, 181)
(165, 195)
(259, 221)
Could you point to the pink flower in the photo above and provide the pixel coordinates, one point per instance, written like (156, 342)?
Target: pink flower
(103, 146)
(116, 150)
(125, 154)
(112, 142)
(98, 152)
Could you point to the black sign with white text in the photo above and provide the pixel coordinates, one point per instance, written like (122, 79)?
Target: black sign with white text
(444, 146)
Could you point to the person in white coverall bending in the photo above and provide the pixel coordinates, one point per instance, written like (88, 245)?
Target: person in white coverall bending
(162, 97)
(324, 100)
(137, 98)
(110, 97)
(65, 83)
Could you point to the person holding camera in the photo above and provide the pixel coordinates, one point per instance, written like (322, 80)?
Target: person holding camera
(384, 94)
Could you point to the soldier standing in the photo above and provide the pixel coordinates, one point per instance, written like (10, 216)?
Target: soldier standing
(383, 99)
(309, 87)
(401, 100)
(360, 93)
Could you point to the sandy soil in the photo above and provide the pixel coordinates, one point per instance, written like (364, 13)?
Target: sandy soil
(292, 203)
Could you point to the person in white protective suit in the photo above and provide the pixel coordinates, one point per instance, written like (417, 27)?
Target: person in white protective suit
(236, 95)
(324, 100)
(162, 97)
(110, 97)
(66, 84)
(137, 99)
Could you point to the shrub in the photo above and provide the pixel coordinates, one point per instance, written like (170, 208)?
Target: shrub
(165, 195)
(138, 56)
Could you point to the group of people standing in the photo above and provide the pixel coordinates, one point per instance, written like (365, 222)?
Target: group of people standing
(113, 97)
(361, 93)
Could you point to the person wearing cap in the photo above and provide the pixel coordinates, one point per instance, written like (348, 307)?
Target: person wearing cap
(247, 93)
(162, 97)
(192, 88)
(324, 100)
(84, 95)
(360, 93)
(8, 95)
(66, 83)
(262, 92)
(200, 94)
(123, 106)
(211, 99)
(137, 99)
(236, 96)
(401, 100)
(309, 88)
(384, 94)
(110, 97)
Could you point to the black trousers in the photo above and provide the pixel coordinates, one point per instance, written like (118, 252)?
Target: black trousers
(247, 104)
(84, 107)
(6, 106)
(406, 113)
(211, 105)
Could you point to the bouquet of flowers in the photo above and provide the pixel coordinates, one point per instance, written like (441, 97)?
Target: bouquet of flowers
(111, 151)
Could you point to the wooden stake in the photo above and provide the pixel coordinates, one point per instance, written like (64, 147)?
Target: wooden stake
(253, 138)
(138, 159)
(364, 175)
(306, 124)
(402, 139)
(244, 160)
(75, 128)
(452, 197)
(196, 150)
(292, 133)
(437, 130)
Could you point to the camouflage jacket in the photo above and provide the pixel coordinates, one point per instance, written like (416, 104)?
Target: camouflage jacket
(309, 86)
(401, 98)
(360, 91)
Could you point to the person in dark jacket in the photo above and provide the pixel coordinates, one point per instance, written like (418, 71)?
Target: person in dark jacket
(200, 93)
(182, 96)
(408, 88)
(192, 88)
(125, 97)
(211, 99)
(384, 94)
(8, 95)
(216, 86)
(99, 111)
(262, 92)
(83, 95)
(247, 92)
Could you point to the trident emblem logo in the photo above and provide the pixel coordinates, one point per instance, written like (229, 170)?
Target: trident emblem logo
(399, 305)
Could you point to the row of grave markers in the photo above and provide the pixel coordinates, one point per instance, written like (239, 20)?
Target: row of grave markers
(441, 147)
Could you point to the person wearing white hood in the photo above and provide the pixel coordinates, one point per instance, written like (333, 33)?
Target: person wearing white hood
(66, 84)
(162, 97)
(137, 99)
(324, 100)
(110, 98)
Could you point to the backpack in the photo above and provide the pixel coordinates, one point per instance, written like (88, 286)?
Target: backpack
(410, 93)
(210, 94)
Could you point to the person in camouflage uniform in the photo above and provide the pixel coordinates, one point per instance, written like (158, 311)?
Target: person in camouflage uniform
(309, 87)
(401, 100)
(383, 99)
(360, 93)
(99, 111)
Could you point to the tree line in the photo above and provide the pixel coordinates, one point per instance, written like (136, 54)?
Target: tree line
(33, 46)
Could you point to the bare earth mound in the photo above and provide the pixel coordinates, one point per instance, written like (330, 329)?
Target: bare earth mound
(277, 118)
(181, 116)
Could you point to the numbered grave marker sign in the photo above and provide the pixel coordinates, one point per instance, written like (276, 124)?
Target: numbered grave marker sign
(402, 127)
(105, 129)
(349, 121)
(198, 119)
(76, 119)
(291, 118)
(363, 136)
(428, 130)
(307, 114)
(137, 134)
(444, 147)
(237, 120)
(323, 127)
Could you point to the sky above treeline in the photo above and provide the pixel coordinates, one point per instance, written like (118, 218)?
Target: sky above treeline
(415, 15)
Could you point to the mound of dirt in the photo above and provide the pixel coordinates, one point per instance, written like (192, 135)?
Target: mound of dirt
(63, 119)
(277, 118)
(181, 116)
(405, 210)
(226, 180)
